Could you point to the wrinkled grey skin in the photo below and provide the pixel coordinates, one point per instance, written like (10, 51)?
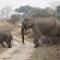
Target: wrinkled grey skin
(49, 40)
(7, 38)
(40, 26)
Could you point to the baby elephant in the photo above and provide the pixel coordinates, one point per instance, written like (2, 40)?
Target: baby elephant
(7, 38)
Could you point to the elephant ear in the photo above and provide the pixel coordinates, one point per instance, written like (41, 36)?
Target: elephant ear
(28, 23)
(31, 24)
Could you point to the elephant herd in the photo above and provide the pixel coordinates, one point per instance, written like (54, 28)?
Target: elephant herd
(42, 26)
(46, 26)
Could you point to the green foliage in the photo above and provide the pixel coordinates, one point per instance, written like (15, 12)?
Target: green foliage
(24, 9)
(58, 12)
(58, 17)
(33, 11)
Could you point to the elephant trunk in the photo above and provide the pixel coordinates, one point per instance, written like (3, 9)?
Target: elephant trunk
(22, 33)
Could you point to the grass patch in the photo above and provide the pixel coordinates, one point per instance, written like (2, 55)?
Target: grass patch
(47, 53)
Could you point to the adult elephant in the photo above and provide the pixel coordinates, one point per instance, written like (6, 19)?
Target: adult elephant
(47, 26)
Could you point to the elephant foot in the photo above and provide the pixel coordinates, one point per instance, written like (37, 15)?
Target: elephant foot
(3, 45)
(36, 46)
(9, 46)
(23, 42)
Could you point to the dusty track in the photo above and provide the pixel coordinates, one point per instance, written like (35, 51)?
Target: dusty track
(18, 51)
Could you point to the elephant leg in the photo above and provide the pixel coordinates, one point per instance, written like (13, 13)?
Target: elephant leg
(36, 40)
(2, 44)
(36, 43)
(8, 43)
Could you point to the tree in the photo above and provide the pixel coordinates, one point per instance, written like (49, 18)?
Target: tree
(6, 12)
(24, 9)
(14, 18)
(34, 11)
(58, 12)
(54, 4)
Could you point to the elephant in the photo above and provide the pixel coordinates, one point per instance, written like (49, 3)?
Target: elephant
(48, 26)
(7, 38)
(46, 41)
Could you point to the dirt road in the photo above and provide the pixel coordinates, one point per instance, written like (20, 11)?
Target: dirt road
(18, 51)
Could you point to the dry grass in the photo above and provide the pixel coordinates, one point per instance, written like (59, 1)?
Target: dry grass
(47, 53)
(4, 26)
